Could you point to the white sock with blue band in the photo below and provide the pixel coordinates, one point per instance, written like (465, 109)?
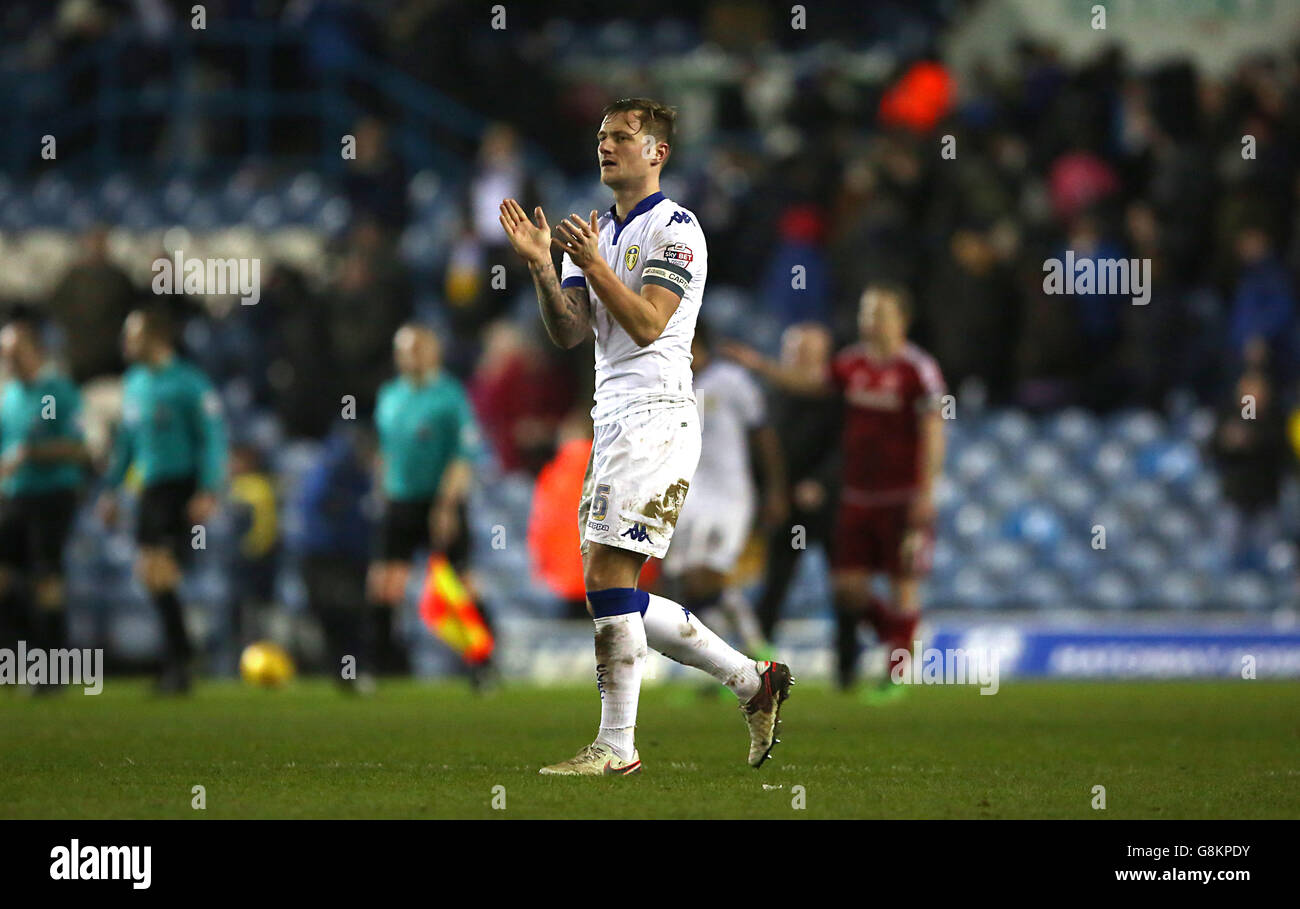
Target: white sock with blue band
(620, 660)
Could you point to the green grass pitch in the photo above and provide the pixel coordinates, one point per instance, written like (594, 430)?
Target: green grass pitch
(434, 750)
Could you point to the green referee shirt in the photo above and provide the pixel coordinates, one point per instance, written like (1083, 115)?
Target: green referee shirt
(423, 427)
(171, 427)
(43, 410)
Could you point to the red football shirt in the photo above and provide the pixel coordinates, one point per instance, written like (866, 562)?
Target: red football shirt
(881, 440)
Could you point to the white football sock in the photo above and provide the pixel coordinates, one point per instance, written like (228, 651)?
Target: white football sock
(680, 636)
(620, 659)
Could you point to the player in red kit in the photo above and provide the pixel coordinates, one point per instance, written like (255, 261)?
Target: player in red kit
(892, 453)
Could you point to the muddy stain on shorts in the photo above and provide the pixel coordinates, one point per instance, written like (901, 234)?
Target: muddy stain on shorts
(667, 507)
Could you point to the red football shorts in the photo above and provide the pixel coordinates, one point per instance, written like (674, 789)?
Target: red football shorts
(870, 538)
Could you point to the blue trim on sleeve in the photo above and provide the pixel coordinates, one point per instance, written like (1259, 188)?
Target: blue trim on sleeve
(573, 281)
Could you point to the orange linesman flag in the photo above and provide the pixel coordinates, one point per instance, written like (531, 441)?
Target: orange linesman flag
(449, 611)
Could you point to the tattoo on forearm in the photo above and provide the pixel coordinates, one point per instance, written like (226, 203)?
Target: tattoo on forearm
(566, 313)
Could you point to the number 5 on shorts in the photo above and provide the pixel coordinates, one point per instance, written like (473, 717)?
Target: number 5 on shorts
(600, 502)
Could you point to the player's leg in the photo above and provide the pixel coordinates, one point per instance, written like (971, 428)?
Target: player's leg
(628, 511)
(386, 584)
(894, 618)
(159, 572)
(636, 505)
(905, 612)
(679, 635)
(705, 592)
(687, 565)
(403, 530)
(691, 562)
(707, 542)
(701, 593)
(610, 575)
(760, 687)
(50, 527)
(853, 557)
(854, 604)
(383, 579)
(778, 571)
(164, 540)
(14, 614)
(907, 552)
(723, 547)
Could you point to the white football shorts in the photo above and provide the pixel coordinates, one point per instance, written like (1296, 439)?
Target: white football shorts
(637, 479)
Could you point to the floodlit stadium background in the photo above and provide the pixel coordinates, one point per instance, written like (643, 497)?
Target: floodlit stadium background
(815, 147)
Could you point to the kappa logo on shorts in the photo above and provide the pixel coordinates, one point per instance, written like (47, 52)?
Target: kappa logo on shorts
(636, 533)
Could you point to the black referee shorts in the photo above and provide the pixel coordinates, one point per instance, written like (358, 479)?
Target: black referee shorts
(404, 531)
(33, 530)
(162, 518)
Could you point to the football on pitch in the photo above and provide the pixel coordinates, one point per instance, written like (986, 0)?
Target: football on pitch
(266, 664)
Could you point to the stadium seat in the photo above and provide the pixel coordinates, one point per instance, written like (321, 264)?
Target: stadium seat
(976, 462)
(1112, 589)
(1035, 524)
(1137, 428)
(1246, 591)
(1180, 589)
(1011, 428)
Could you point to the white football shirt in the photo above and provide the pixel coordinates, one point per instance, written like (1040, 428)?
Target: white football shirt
(731, 406)
(659, 243)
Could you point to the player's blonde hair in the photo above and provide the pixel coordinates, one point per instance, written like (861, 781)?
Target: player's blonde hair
(657, 119)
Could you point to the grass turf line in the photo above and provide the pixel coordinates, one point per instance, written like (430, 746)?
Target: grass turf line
(434, 750)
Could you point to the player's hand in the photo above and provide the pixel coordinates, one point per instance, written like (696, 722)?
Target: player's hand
(743, 354)
(579, 239)
(201, 507)
(921, 513)
(910, 550)
(444, 524)
(531, 241)
(106, 508)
